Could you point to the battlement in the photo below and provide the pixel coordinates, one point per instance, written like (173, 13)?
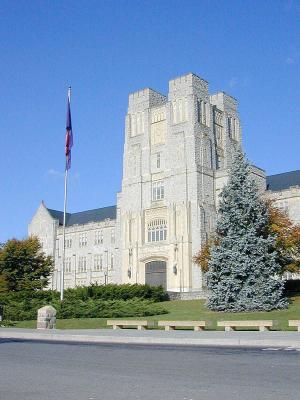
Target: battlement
(223, 100)
(187, 79)
(146, 98)
(187, 84)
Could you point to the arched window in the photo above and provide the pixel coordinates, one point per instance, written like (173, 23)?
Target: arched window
(157, 230)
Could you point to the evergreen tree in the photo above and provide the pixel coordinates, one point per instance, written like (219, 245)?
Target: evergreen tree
(242, 269)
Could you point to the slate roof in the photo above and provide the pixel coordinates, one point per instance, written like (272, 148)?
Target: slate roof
(84, 217)
(283, 181)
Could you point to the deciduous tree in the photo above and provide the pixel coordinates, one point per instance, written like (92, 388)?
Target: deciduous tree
(23, 265)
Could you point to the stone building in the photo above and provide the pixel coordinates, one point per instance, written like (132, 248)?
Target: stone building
(177, 152)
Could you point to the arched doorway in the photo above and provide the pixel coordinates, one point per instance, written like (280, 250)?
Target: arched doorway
(156, 273)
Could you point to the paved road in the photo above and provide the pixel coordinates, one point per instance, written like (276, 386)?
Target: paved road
(56, 371)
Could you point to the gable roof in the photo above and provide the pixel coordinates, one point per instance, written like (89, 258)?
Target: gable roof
(283, 181)
(84, 217)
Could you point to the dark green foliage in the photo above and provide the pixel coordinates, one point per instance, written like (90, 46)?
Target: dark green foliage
(27, 309)
(243, 266)
(86, 302)
(23, 265)
(118, 292)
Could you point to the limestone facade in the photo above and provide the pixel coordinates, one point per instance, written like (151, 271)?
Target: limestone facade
(177, 152)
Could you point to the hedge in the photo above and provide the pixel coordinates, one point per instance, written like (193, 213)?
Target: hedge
(108, 301)
(85, 309)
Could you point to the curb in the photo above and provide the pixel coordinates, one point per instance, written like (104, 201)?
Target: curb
(213, 342)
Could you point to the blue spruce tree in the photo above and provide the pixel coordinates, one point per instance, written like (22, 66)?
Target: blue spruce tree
(243, 267)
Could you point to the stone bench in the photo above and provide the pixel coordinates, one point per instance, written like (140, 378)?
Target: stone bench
(171, 325)
(295, 323)
(121, 323)
(231, 325)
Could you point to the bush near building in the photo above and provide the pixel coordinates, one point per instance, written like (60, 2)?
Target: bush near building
(86, 302)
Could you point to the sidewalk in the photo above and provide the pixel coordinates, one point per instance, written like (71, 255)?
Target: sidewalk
(158, 337)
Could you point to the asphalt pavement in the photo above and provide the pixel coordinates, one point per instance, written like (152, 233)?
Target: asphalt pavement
(65, 371)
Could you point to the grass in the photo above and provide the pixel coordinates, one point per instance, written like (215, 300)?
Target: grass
(188, 310)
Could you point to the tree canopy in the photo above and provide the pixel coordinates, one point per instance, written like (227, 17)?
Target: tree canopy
(23, 265)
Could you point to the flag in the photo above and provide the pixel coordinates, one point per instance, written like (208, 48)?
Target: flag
(69, 133)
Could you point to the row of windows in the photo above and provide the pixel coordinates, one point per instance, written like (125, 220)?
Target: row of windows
(179, 114)
(83, 240)
(82, 263)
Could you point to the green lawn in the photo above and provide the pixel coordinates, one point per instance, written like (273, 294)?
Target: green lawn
(188, 310)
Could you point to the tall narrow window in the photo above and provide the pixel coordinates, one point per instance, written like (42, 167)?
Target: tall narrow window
(82, 264)
(158, 190)
(199, 110)
(203, 113)
(82, 239)
(158, 160)
(68, 242)
(229, 127)
(207, 114)
(112, 236)
(99, 237)
(98, 262)
(68, 264)
(112, 262)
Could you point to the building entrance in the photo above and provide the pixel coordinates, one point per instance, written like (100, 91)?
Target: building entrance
(156, 273)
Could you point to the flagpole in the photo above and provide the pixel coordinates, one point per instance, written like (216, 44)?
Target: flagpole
(62, 274)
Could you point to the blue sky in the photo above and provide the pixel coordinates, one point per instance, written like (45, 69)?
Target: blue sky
(107, 49)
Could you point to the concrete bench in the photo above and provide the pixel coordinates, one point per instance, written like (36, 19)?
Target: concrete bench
(171, 325)
(119, 324)
(231, 325)
(295, 323)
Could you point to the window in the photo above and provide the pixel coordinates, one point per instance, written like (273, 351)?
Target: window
(157, 230)
(98, 262)
(158, 160)
(229, 124)
(112, 261)
(68, 242)
(98, 237)
(158, 190)
(82, 264)
(82, 239)
(236, 130)
(179, 110)
(203, 112)
(219, 134)
(112, 236)
(137, 123)
(68, 266)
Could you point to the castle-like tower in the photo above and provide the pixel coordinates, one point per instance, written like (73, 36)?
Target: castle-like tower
(174, 148)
